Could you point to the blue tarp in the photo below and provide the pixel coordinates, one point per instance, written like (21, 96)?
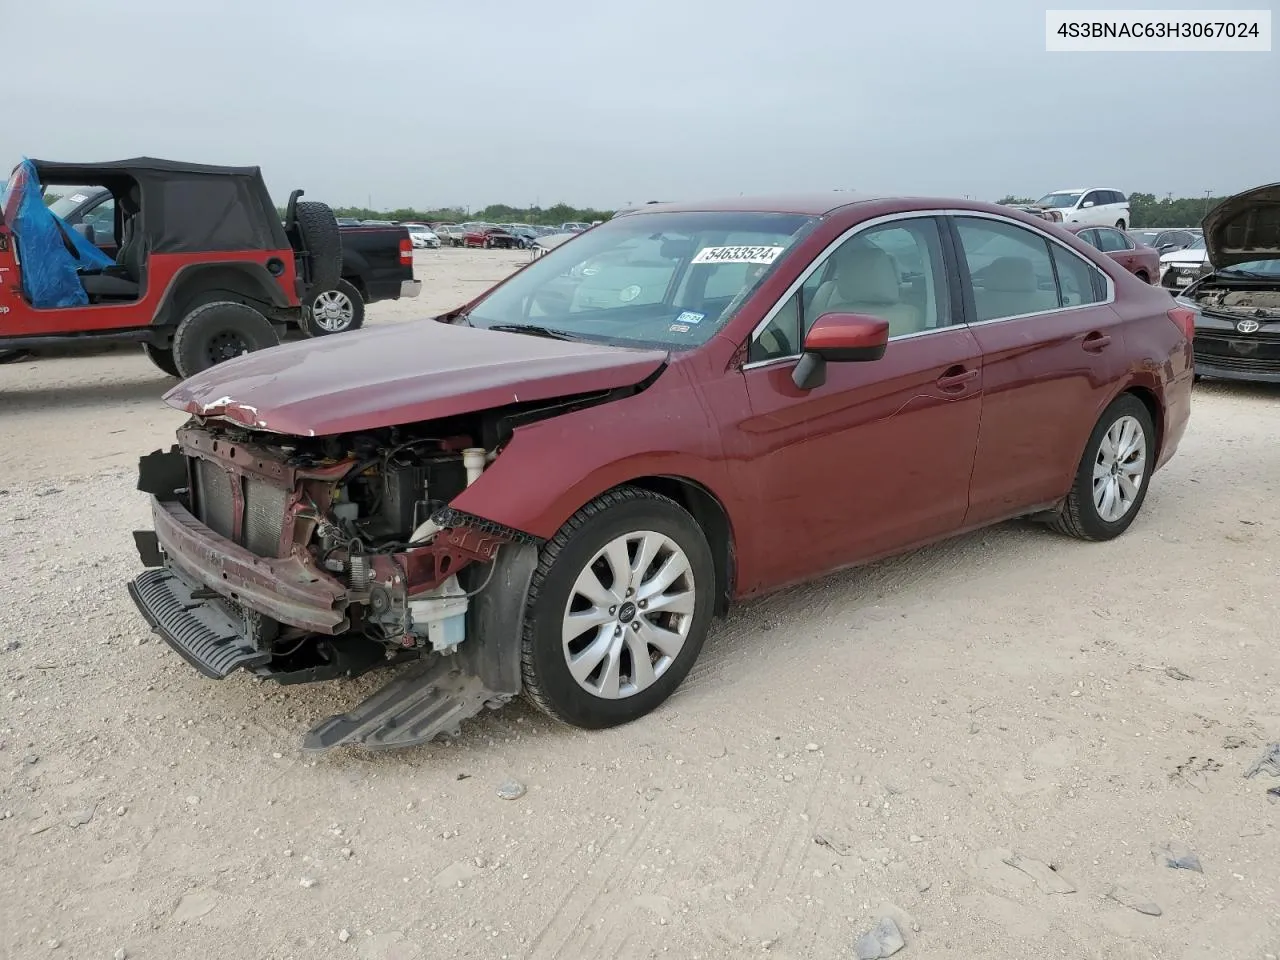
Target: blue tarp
(49, 269)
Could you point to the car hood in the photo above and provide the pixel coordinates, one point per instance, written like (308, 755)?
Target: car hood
(1244, 227)
(402, 373)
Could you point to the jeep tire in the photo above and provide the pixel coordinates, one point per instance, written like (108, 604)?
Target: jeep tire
(162, 357)
(219, 331)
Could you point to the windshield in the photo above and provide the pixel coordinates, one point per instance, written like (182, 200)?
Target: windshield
(670, 279)
(1059, 200)
(69, 198)
(1196, 244)
(1266, 268)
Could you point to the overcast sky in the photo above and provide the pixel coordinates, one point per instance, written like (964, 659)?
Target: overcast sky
(600, 102)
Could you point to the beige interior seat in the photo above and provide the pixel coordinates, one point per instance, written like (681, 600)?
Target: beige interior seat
(865, 280)
(1010, 289)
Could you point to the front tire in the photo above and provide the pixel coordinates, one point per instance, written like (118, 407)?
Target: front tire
(218, 331)
(618, 609)
(162, 357)
(1111, 481)
(333, 311)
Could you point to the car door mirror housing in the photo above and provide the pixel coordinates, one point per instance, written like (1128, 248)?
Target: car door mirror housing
(839, 338)
(1087, 203)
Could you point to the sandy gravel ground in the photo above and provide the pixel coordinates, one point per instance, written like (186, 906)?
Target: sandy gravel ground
(876, 744)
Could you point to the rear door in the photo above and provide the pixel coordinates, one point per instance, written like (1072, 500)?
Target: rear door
(1052, 351)
(1118, 246)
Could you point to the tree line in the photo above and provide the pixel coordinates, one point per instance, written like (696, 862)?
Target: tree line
(1151, 213)
(1146, 210)
(494, 213)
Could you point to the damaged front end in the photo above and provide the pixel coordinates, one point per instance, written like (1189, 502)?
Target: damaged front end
(311, 558)
(1237, 326)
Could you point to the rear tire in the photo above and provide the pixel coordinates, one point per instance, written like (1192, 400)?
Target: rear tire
(1111, 481)
(323, 241)
(633, 627)
(339, 310)
(1142, 275)
(1119, 224)
(162, 357)
(218, 331)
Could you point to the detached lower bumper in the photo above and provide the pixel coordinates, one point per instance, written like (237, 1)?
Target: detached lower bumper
(410, 288)
(205, 633)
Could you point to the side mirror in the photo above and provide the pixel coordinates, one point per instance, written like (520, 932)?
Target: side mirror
(839, 338)
(1087, 203)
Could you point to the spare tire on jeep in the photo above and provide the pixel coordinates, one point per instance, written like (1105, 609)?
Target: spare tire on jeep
(323, 243)
(218, 331)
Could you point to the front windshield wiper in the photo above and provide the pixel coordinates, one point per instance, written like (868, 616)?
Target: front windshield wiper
(532, 329)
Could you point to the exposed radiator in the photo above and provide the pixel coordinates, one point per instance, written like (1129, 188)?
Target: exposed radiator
(264, 508)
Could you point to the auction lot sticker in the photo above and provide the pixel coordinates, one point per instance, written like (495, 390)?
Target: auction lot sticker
(764, 255)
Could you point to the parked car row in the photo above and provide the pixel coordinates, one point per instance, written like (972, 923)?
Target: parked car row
(477, 233)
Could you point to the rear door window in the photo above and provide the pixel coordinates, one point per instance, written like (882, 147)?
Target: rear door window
(1113, 241)
(1010, 268)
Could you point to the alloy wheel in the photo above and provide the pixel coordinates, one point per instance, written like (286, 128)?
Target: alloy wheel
(1118, 469)
(629, 614)
(332, 311)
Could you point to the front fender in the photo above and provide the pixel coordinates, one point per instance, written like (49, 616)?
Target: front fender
(551, 468)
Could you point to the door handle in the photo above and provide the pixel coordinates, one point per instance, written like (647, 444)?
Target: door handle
(955, 378)
(1096, 342)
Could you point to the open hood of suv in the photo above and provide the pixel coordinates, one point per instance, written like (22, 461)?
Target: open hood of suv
(1244, 227)
(403, 373)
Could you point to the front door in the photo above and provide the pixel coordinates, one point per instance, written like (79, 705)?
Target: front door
(1052, 350)
(877, 458)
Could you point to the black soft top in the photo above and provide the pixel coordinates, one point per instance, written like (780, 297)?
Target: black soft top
(186, 207)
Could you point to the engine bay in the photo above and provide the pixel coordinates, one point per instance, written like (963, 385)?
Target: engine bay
(367, 513)
(1258, 301)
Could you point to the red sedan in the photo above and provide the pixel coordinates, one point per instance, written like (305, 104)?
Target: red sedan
(1140, 260)
(554, 488)
(489, 238)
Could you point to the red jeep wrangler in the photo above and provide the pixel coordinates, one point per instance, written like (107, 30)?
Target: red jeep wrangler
(203, 269)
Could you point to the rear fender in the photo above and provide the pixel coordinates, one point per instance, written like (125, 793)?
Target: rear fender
(238, 281)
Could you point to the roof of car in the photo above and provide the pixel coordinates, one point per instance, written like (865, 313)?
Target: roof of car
(52, 168)
(810, 204)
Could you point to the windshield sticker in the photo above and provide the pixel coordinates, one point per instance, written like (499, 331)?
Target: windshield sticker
(690, 316)
(678, 328)
(78, 198)
(627, 294)
(765, 255)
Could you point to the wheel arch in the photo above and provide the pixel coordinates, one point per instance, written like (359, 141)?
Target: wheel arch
(236, 281)
(1149, 400)
(713, 519)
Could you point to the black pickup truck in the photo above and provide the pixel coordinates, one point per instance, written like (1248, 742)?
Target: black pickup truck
(377, 261)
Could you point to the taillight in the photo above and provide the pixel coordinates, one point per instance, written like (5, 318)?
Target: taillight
(406, 253)
(1185, 318)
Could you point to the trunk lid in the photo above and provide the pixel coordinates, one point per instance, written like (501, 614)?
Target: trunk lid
(403, 373)
(1244, 227)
